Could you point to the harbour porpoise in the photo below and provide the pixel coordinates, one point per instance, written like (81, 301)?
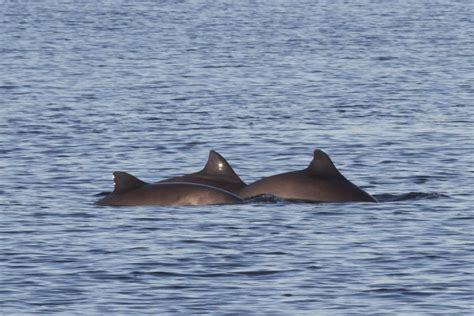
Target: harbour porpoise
(217, 173)
(130, 190)
(319, 182)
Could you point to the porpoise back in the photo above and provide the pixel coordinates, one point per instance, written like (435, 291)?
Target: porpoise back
(319, 182)
(217, 173)
(130, 190)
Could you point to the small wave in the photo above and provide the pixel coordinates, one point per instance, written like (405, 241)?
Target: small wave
(259, 272)
(385, 58)
(8, 87)
(410, 196)
(224, 66)
(399, 291)
(211, 274)
(263, 198)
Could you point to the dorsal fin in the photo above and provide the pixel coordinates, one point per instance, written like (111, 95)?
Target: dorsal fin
(217, 166)
(125, 182)
(321, 165)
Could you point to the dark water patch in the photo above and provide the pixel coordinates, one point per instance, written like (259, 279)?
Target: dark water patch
(150, 219)
(411, 196)
(394, 291)
(267, 253)
(261, 272)
(256, 273)
(224, 66)
(463, 218)
(83, 215)
(19, 232)
(9, 87)
(103, 251)
(421, 179)
(64, 260)
(192, 241)
(175, 287)
(385, 58)
(263, 198)
(180, 99)
(108, 276)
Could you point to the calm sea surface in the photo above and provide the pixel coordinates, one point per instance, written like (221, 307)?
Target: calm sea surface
(386, 88)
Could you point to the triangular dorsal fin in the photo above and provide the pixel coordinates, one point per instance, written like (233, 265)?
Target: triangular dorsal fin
(125, 182)
(321, 165)
(219, 167)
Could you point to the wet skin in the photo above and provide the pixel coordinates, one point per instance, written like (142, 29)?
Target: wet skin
(320, 182)
(130, 190)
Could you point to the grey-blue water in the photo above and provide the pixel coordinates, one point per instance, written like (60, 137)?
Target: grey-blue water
(386, 88)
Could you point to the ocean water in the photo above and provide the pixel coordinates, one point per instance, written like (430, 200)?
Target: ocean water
(386, 88)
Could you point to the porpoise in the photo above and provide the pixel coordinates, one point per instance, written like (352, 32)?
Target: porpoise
(319, 182)
(217, 173)
(130, 190)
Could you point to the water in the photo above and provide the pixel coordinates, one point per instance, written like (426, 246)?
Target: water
(385, 88)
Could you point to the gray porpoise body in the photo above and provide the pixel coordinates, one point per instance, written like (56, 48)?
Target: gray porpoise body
(217, 173)
(129, 190)
(320, 182)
